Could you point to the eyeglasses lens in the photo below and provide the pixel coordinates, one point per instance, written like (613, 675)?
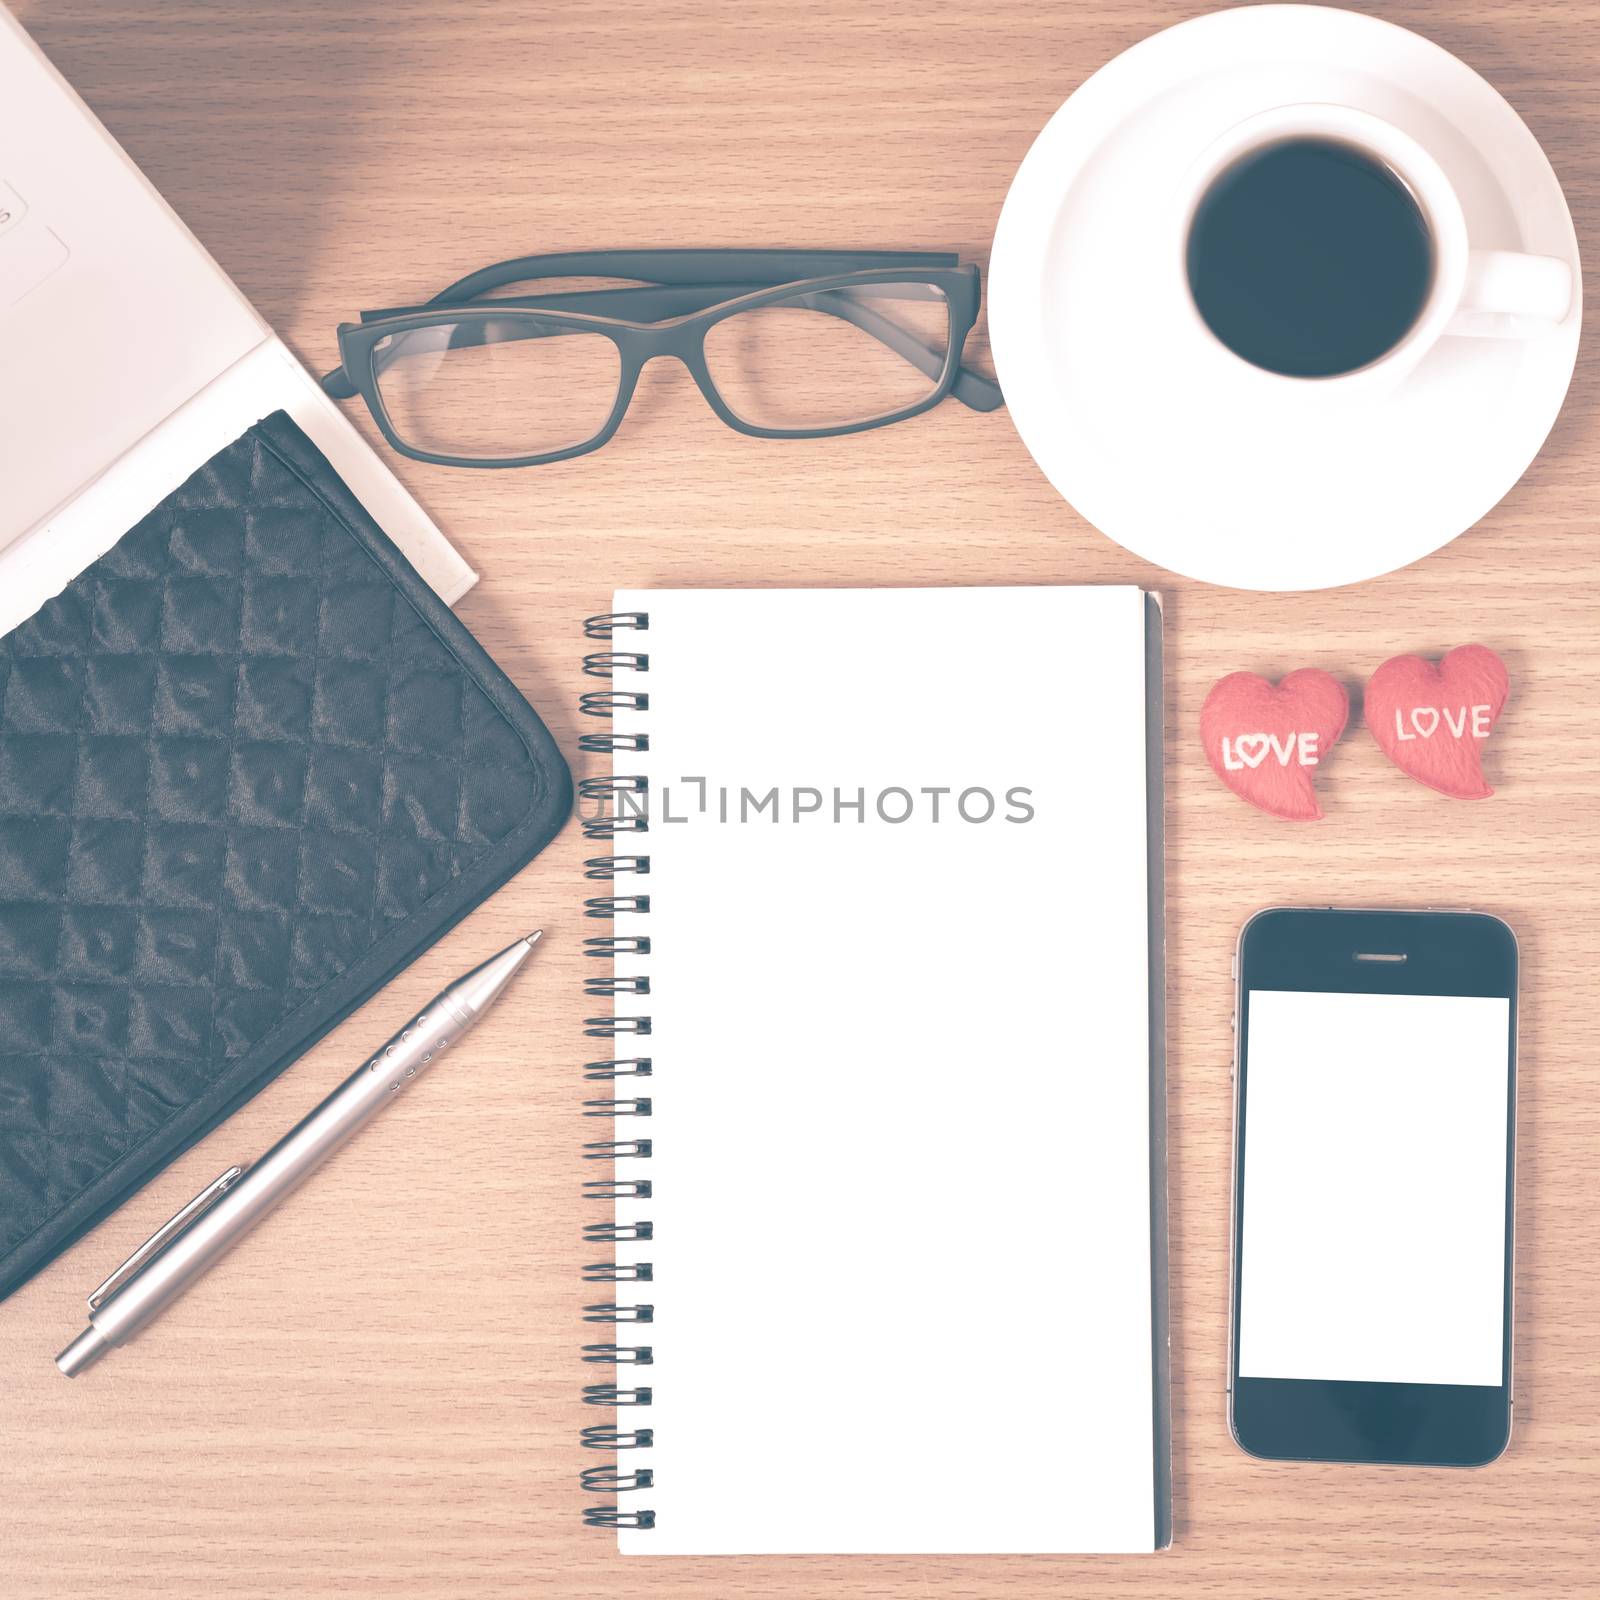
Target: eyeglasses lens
(496, 387)
(830, 358)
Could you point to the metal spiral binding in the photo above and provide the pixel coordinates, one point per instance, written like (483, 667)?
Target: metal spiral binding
(638, 1106)
(608, 905)
(606, 663)
(602, 702)
(610, 827)
(610, 1311)
(601, 1436)
(610, 1027)
(605, 788)
(603, 1478)
(608, 1394)
(619, 1355)
(612, 1272)
(604, 627)
(605, 744)
(621, 806)
(611, 1517)
(618, 1189)
(618, 1067)
(617, 1150)
(607, 867)
(617, 1232)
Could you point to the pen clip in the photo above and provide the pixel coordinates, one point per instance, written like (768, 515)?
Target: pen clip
(167, 1232)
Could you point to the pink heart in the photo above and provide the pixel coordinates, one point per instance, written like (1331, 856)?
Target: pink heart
(1432, 721)
(1266, 741)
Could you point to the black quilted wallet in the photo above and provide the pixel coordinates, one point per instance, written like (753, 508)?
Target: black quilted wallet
(250, 767)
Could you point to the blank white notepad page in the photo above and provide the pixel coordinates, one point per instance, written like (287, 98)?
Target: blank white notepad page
(901, 1252)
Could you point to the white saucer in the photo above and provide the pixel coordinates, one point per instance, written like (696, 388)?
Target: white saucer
(1283, 498)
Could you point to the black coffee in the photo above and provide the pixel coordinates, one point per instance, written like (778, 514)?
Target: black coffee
(1308, 257)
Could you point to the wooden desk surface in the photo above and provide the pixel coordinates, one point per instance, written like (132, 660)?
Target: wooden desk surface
(378, 1395)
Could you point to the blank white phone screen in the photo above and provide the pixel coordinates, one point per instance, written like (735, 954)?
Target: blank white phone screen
(1374, 1209)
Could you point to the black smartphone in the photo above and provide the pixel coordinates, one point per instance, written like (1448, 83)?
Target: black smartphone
(1374, 1147)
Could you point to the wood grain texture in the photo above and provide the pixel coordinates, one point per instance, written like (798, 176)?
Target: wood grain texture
(378, 1393)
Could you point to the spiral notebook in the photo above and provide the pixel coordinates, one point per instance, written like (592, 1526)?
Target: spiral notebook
(876, 1157)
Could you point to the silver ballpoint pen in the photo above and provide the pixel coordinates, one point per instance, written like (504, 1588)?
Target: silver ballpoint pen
(222, 1213)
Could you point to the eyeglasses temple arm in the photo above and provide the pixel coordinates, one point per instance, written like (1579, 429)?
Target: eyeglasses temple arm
(686, 267)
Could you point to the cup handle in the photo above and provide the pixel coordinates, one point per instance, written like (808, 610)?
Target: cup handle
(1504, 290)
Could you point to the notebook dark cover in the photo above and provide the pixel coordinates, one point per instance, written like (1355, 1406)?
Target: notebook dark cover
(250, 767)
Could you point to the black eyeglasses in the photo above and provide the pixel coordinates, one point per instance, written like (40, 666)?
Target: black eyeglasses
(784, 344)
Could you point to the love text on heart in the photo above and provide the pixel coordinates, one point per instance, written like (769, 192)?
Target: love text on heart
(1425, 720)
(1242, 751)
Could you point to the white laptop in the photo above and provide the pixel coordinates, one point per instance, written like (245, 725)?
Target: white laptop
(127, 356)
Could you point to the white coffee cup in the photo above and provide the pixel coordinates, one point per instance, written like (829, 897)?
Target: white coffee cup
(1476, 293)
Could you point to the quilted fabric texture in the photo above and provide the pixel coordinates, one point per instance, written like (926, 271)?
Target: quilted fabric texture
(234, 756)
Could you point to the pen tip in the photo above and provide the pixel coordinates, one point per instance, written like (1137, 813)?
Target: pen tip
(534, 937)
